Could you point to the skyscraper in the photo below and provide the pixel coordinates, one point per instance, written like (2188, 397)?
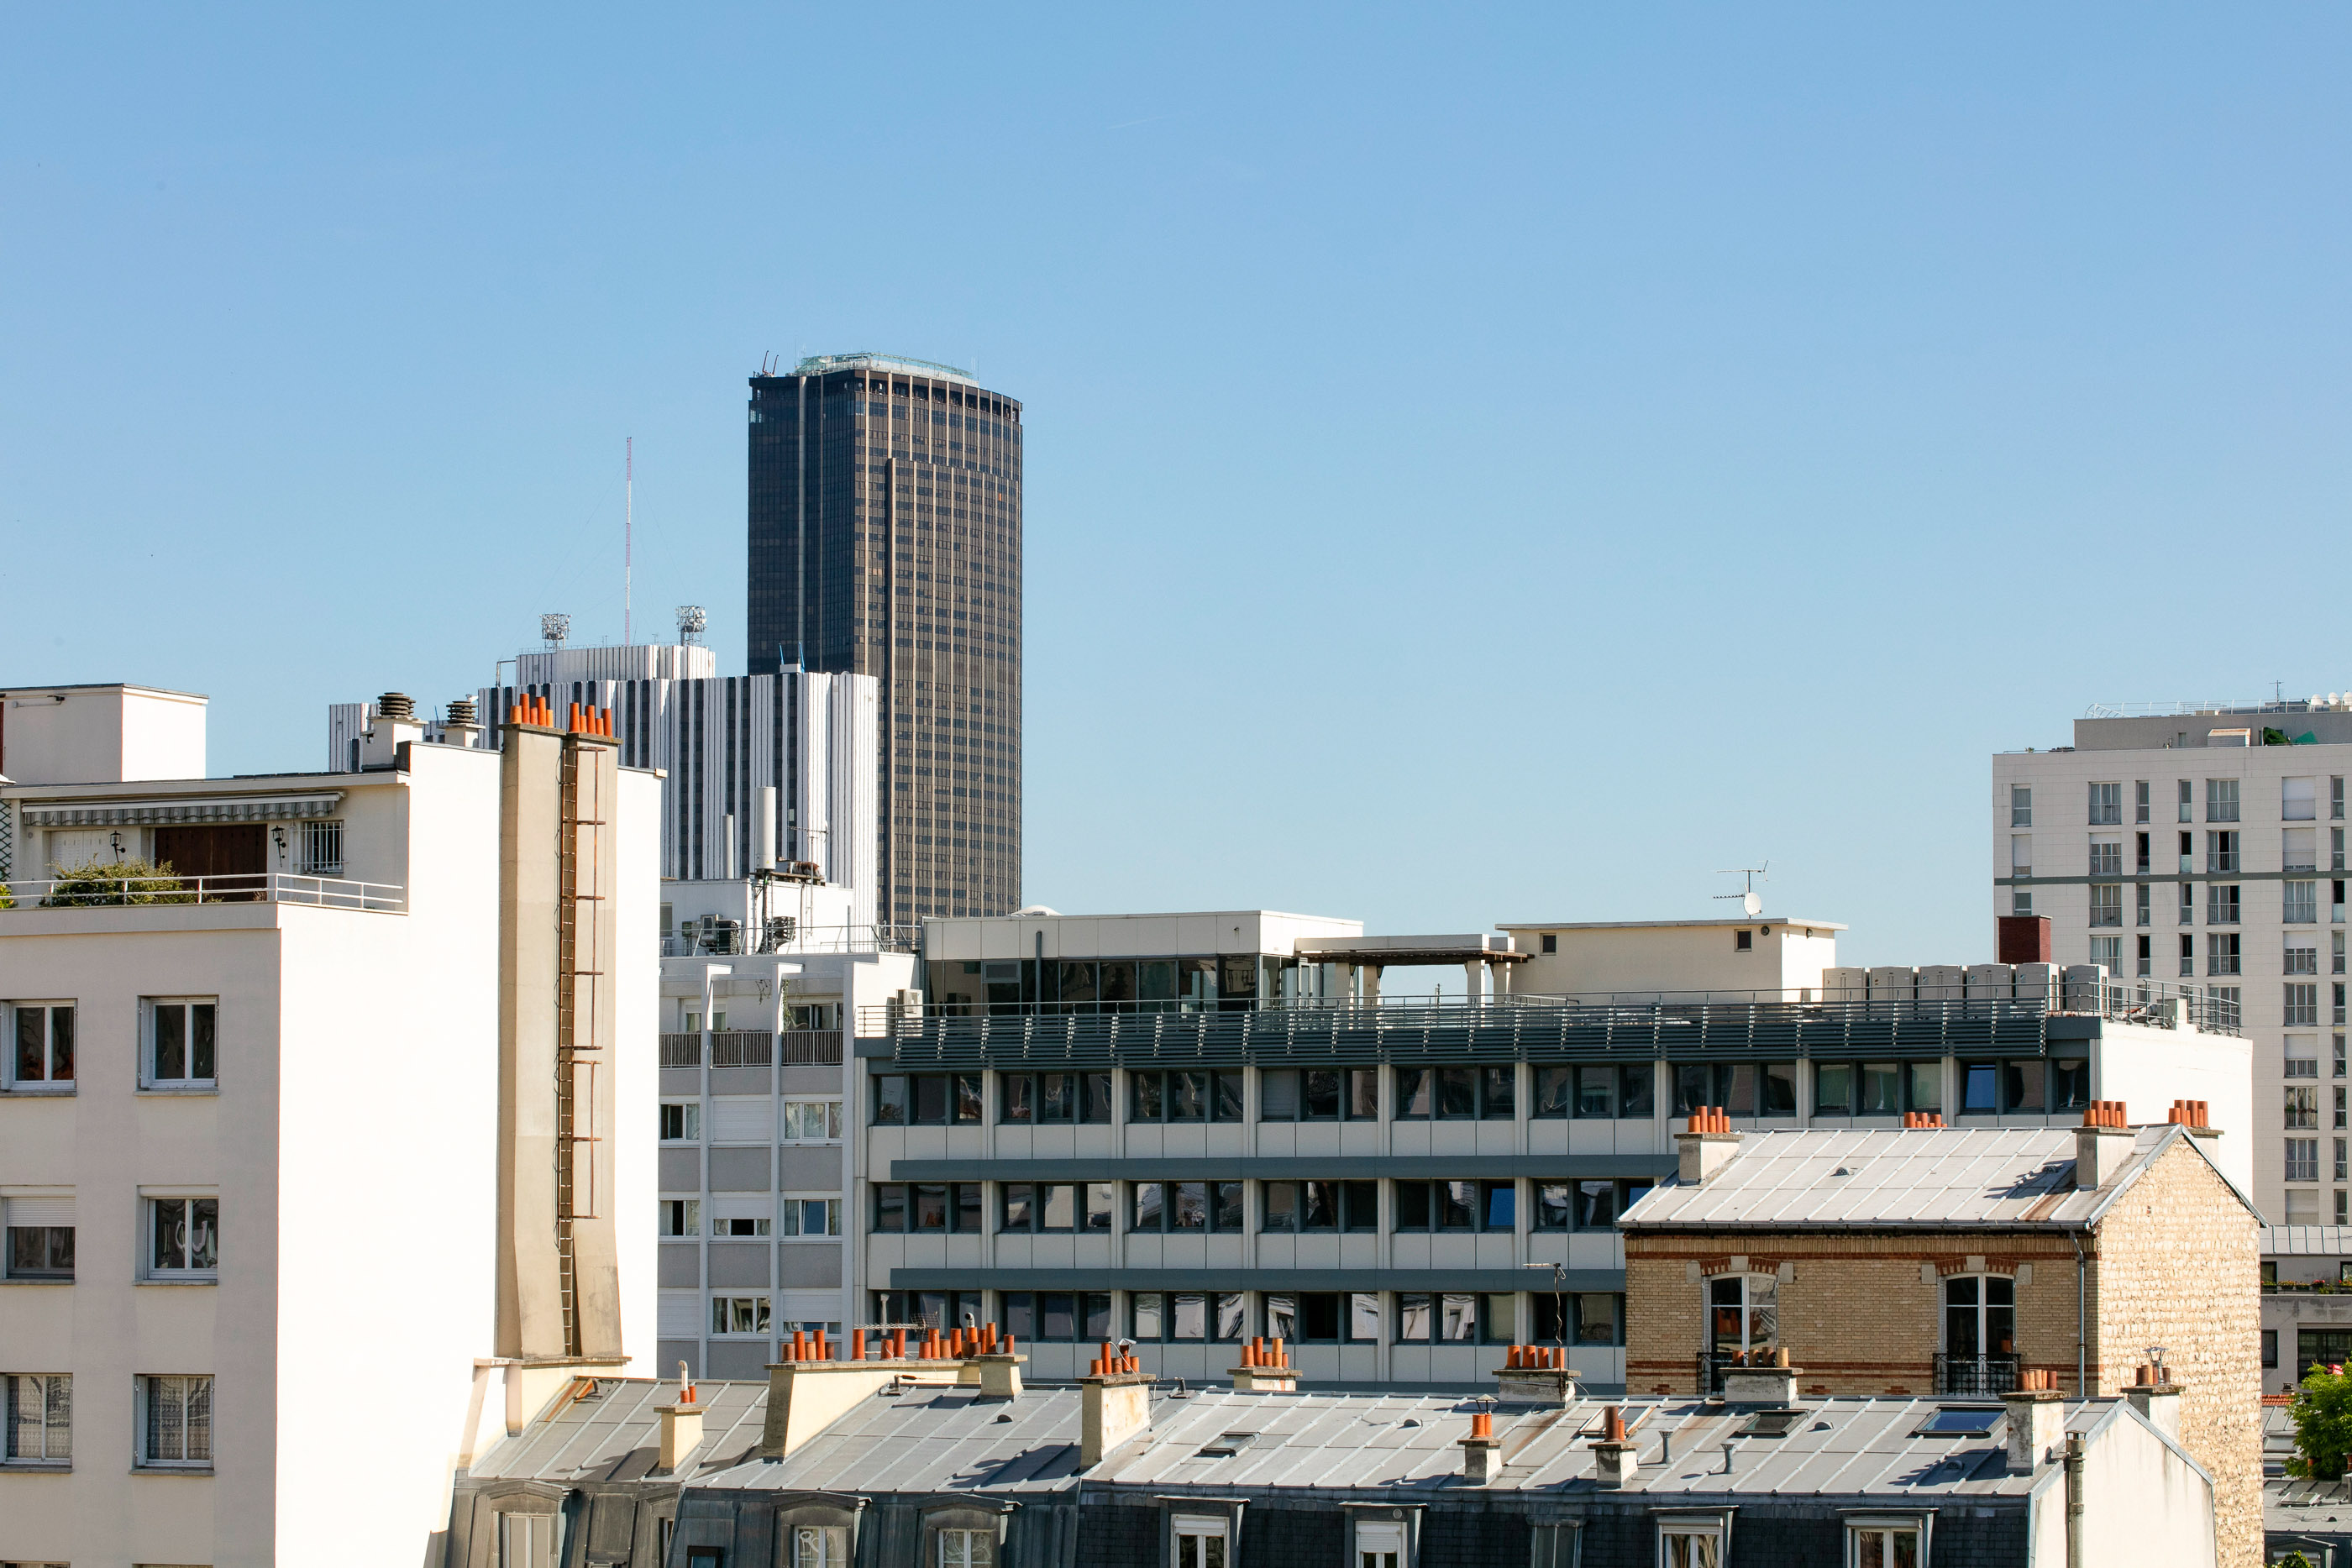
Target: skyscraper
(885, 540)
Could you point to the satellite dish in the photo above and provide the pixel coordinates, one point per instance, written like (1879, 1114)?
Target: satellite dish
(1752, 902)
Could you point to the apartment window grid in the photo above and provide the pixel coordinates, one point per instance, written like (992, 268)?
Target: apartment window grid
(2298, 849)
(2220, 799)
(2342, 1158)
(812, 1122)
(2186, 796)
(1319, 1095)
(2106, 857)
(2302, 1057)
(2299, 904)
(2302, 1159)
(811, 1217)
(2187, 955)
(2020, 806)
(1178, 1206)
(2302, 1004)
(2302, 1110)
(2298, 799)
(2335, 849)
(2343, 1203)
(2107, 804)
(2221, 849)
(2188, 905)
(2144, 905)
(1458, 1093)
(2336, 799)
(2109, 953)
(2140, 802)
(2300, 957)
(2223, 904)
(2106, 904)
(2339, 1123)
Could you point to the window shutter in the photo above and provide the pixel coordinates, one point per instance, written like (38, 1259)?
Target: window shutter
(1279, 1089)
(679, 1316)
(41, 1211)
(742, 1119)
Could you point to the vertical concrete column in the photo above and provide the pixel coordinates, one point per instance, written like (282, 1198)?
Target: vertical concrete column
(1474, 982)
(1372, 989)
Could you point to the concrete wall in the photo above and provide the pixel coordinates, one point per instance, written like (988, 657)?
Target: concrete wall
(1127, 936)
(636, 1059)
(88, 735)
(2148, 1069)
(2143, 1503)
(1694, 955)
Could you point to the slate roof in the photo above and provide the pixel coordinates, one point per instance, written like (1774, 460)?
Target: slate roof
(1953, 1178)
(937, 1440)
(615, 1435)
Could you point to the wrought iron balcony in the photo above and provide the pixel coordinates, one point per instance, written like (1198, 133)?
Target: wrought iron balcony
(1975, 1373)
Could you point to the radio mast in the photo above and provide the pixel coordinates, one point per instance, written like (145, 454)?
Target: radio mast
(629, 530)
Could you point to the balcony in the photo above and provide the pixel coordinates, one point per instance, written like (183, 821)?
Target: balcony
(754, 1048)
(1975, 1375)
(255, 887)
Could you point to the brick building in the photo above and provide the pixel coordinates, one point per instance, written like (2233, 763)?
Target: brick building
(1936, 1261)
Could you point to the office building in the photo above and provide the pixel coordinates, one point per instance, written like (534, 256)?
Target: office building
(2203, 846)
(761, 773)
(1192, 1129)
(310, 1163)
(885, 537)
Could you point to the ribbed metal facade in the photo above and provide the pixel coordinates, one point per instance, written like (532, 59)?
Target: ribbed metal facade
(884, 538)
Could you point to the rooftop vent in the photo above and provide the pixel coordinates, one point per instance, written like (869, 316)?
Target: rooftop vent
(395, 706)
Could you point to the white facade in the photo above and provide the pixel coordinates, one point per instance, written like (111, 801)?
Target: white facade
(756, 1130)
(2096, 845)
(66, 735)
(1750, 956)
(315, 1060)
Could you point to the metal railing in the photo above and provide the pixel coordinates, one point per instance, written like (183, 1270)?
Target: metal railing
(724, 942)
(754, 1048)
(1975, 1373)
(254, 887)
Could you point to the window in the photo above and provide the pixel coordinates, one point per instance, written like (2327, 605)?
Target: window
(811, 1121)
(1592, 1203)
(2301, 959)
(2270, 1347)
(940, 1309)
(1380, 1543)
(1423, 1205)
(2107, 804)
(1188, 1316)
(2302, 1112)
(1626, 1092)
(2144, 910)
(2300, 904)
(528, 1539)
(970, 1548)
(1307, 1206)
(1456, 1093)
(1056, 1316)
(2222, 954)
(2298, 849)
(2220, 799)
(1980, 1315)
(181, 1047)
(927, 1099)
(2302, 1003)
(40, 1238)
(1319, 1095)
(739, 1314)
(1743, 1314)
(1743, 940)
(1199, 1540)
(2106, 904)
(820, 1546)
(2302, 1056)
(2336, 799)
(2139, 802)
(2221, 851)
(175, 1422)
(2298, 799)
(2188, 954)
(2335, 849)
(2020, 806)
(2023, 1084)
(1320, 1317)
(811, 1217)
(1878, 1546)
(2302, 1157)
(2109, 953)
(1980, 1088)
(681, 1217)
(1182, 1205)
(1024, 1098)
(681, 1123)
(927, 1207)
(39, 1419)
(43, 1054)
(1038, 1206)
(1424, 1318)
(1690, 1546)
(1185, 1096)
(183, 1237)
(1741, 1087)
(2185, 797)
(322, 849)
(2147, 953)
(1551, 938)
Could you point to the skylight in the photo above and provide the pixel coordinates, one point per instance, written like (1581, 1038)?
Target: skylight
(1959, 1421)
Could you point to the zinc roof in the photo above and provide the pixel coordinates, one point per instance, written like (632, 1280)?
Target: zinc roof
(615, 1435)
(1957, 1178)
(2307, 1241)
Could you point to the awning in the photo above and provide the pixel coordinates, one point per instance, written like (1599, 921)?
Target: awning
(108, 813)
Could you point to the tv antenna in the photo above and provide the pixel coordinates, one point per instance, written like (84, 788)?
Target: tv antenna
(628, 531)
(553, 629)
(1749, 899)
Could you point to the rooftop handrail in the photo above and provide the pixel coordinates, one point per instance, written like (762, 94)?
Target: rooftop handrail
(732, 941)
(88, 892)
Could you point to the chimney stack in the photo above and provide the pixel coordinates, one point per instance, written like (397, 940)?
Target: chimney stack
(1615, 1466)
(1536, 1375)
(1765, 1379)
(394, 727)
(2102, 1143)
(464, 725)
(1115, 1403)
(2037, 1420)
(1482, 1450)
(1265, 1368)
(681, 1427)
(2157, 1398)
(1706, 1144)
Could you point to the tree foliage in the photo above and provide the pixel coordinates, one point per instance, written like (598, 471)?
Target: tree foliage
(117, 881)
(2321, 1412)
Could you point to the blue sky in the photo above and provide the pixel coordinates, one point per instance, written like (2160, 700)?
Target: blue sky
(1483, 465)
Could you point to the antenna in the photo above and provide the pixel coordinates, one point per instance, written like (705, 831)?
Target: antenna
(628, 532)
(553, 629)
(691, 623)
(1749, 899)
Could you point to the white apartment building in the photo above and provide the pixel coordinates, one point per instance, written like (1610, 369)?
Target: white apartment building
(756, 1128)
(758, 772)
(1188, 1129)
(309, 1154)
(2175, 846)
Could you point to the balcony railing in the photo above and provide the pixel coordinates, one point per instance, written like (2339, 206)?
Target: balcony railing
(1975, 1373)
(754, 1048)
(255, 887)
(730, 939)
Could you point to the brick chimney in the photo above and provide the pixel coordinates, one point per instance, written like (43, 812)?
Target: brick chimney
(1115, 1403)
(1706, 1145)
(2037, 1420)
(2102, 1143)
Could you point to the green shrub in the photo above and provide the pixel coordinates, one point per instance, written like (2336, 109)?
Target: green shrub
(116, 882)
(2321, 1412)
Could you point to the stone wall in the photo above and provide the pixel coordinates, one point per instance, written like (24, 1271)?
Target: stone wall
(2178, 1267)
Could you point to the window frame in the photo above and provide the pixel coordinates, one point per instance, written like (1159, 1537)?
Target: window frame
(56, 1453)
(152, 1216)
(831, 1118)
(952, 1099)
(151, 1011)
(1888, 1526)
(51, 1082)
(792, 1215)
(762, 1315)
(145, 1438)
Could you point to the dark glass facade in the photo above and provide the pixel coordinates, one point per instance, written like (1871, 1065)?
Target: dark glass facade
(885, 540)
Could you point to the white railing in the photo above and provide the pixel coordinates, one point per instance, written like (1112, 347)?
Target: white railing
(258, 887)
